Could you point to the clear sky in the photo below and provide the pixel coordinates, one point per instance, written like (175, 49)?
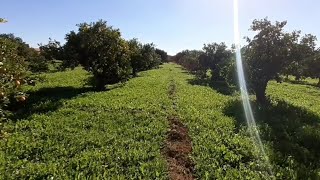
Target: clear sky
(173, 25)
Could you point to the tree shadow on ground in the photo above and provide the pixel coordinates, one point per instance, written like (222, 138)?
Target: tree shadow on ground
(294, 134)
(220, 86)
(302, 83)
(46, 100)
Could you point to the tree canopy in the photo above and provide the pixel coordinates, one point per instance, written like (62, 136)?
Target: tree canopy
(100, 49)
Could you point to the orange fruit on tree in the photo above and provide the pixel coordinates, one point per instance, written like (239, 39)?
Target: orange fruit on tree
(17, 82)
(2, 95)
(21, 98)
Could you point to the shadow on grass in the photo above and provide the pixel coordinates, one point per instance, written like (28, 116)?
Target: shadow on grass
(302, 83)
(220, 86)
(54, 71)
(46, 100)
(294, 133)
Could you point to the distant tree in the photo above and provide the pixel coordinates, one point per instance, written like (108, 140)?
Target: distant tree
(179, 57)
(72, 51)
(101, 50)
(143, 57)
(163, 55)
(35, 61)
(267, 54)
(229, 70)
(313, 67)
(23, 49)
(189, 59)
(136, 58)
(51, 51)
(215, 57)
(38, 64)
(150, 57)
(300, 53)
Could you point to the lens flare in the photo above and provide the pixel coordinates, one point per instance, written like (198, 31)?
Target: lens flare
(243, 89)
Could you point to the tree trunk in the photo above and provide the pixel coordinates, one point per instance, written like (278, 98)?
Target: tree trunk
(134, 73)
(319, 82)
(100, 87)
(261, 93)
(100, 84)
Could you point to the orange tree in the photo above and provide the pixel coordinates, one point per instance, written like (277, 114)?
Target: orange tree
(268, 54)
(313, 67)
(12, 72)
(215, 57)
(101, 50)
(143, 56)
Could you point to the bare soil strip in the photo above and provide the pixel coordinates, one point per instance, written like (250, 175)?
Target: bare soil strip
(178, 145)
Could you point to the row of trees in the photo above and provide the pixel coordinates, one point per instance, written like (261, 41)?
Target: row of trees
(102, 51)
(97, 47)
(270, 54)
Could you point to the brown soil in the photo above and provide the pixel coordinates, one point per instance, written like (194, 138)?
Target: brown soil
(178, 147)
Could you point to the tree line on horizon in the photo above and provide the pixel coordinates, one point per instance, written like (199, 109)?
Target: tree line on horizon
(272, 54)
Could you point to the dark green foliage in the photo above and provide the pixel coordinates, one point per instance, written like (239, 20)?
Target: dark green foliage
(23, 49)
(38, 64)
(100, 49)
(137, 62)
(142, 57)
(301, 53)
(229, 72)
(52, 51)
(313, 67)
(71, 51)
(150, 57)
(295, 69)
(215, 57)
(163, 55)
(189, 60)
(12, 72)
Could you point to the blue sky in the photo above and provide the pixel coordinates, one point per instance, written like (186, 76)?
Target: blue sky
(173, 25)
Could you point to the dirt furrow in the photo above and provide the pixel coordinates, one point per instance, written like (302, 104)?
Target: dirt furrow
(178, 146)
